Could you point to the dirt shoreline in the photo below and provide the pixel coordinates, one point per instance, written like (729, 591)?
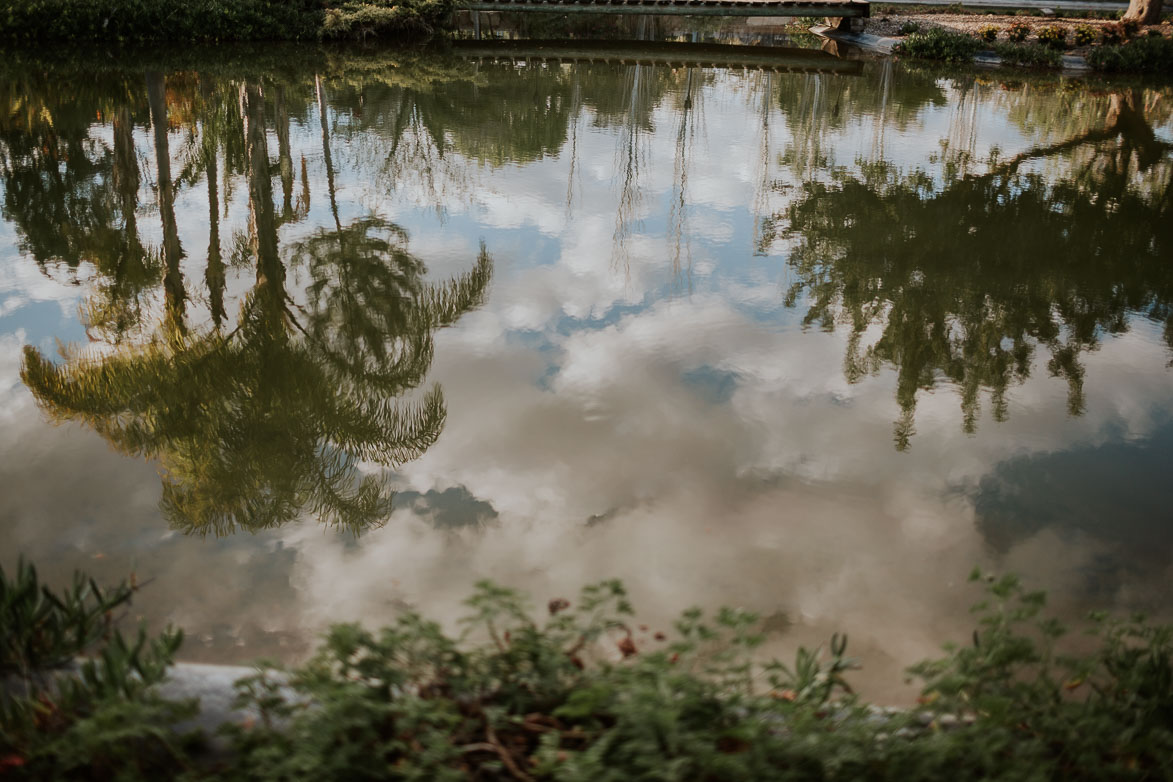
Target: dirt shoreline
(889, 24)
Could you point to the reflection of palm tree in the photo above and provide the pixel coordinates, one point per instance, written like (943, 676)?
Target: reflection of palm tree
(173, 287)
(254, 426)
(967, 282)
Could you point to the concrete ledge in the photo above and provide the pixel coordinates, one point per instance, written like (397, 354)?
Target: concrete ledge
(867, 41)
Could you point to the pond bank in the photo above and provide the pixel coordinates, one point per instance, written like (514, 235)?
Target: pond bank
(1066, 44)
(887, 45)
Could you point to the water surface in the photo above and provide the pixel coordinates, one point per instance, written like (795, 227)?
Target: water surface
(299, 337)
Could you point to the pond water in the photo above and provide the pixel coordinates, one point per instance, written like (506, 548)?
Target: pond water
(300, 336)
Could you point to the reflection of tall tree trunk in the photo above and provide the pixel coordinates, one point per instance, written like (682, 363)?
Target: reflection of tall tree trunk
(126, 182)
(575, 116)
(758, 241)
(285, 159)
(679, 239)
(214, 270)
(214, 273)
(630, 194)
(270, 288)
(172, 250)
(326, 149)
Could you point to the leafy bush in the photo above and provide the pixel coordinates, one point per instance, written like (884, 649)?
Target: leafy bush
(218, 20)
(1085, 35)
(909, 28)
(1143, 55)
(1018, 32)
(988, 33)
(583, 694)
(526, 703)
(1054, 36)
(95, 717)
(1027, 54)
(939, 44)
(383, 18)
(1111, 34)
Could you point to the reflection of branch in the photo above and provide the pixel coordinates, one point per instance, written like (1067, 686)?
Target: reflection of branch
(1124, 119)
(1090, 137)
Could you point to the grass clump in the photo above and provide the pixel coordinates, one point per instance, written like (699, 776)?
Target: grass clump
(581, 693)
(939, 44)
(1142, 55)
(910, 27)
(1028, 55)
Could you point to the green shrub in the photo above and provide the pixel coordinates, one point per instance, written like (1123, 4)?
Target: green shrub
(1054, 36)
(77, 699)
(583, 694)
(1143, 55)
(356, 19)
(218, 20)
(988, 33)
(1027, 54)
(1085, 35)
(939, 44)
(909, 27)
(1018, 32)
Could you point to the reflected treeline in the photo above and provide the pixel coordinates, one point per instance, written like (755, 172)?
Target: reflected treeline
(254, 417)
(964, 266)
(967, 279)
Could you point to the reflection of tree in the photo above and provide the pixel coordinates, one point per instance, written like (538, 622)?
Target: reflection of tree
(253, 426)
(61, 186)
(687, 128)
(966, 282)
(816, 104)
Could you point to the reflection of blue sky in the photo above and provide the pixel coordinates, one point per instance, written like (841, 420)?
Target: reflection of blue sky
(717, 445)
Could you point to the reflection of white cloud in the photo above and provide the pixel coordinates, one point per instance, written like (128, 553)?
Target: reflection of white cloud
(720, 450)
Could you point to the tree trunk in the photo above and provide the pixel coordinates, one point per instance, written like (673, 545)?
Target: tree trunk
(1143, 11)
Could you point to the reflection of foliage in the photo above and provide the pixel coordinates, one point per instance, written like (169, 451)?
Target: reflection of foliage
(966, 282)
(62, 187)
(253, 426)
(505, 120)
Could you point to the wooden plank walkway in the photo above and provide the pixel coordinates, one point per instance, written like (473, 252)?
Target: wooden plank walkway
(667, 53)
(839, 8)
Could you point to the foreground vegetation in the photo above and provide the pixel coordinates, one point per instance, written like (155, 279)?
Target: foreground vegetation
(220, 20)
(583, 695)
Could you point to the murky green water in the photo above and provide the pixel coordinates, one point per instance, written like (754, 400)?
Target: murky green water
(301, 337)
